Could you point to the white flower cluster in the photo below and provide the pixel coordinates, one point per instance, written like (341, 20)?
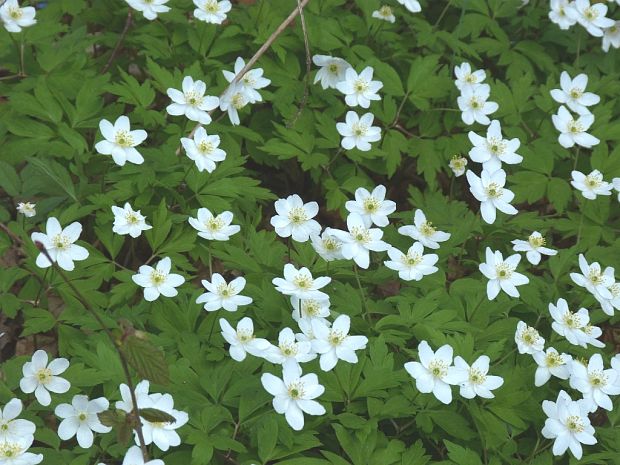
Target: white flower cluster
(16, 436)
(209, 11)
(385, 12)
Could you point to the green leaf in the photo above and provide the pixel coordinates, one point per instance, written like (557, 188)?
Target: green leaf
(9, 179)
(146, 359)
(57, 173)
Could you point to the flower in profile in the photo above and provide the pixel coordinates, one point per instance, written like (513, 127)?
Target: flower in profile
(384, 13)
(474, 105)
(328, 246)
(608, 305)
(412, 5)
(250, 82)
(559, 13)
(501, 274)
(611, 37)
(128, 221)
(573, 326)
(192, 101)
(466, 79)
(593, 278)
(149, 8)
(332, 70)
(334, 343)
(232, 100)
(358, 132)
(528, 340)
(489, 190)
(595, 382)
(423, 231)
(413, 265)
(568, 424)
(158, 280)
(294, 218)
(120, 141)
(372, 206)
(574, 131)
(214, 227)
(551, 362)
(359, 89)
(494, 149)
(80, 419)
(60, 245)
(534, 247)
(289, 350)
(27, 209)
(204, 150)
(42, 378)
(590, 16)
(221, 294)
(294, 394)
(474, 380)
(573, 93)
(16, 18)
(16, 452)
(134, 457)
(434, 372)
(212, 11)
(458, 165)
(242, 340)
(359, 240)
(591, 185)
(13, 429)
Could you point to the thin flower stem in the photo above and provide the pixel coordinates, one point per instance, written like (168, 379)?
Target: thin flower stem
(443, 13)
(359, 285)
(117, 47)
(576, 158)
(580, 227)
(304, 99)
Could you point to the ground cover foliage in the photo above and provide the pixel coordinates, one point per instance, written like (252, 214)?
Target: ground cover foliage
(60, 78)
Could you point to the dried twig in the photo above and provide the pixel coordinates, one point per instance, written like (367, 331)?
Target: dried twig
(117, 47)
(304, 99)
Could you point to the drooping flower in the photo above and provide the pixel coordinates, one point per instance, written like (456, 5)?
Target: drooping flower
(489, 190)
(221, 294)
(60, 245)
(13, 429)
(294, 394)
(149, 8)
(466, 79)
(372, 206)
(120, 141)
(27, 209)
(574, 131)
(528, 340)
(242, 340)
(501, 274)
(595, 382)
(358, 131)
(15, 18)
(384, 13)
(474, 104)
(128, 221)
(42, 378)
(294, 218)
(591, 185)
(80, 419)
(214, 227)
(590, 16)
(458, 165)
(608, 305)
(494, 149)
(359, 240)
(573, 93)
(359, 89)
(474, 380)
(158, 280)
(551, 362)
(423, 231)
(534, 247)
(212, 11)
(413, 265)
(332, 70)
(611, 37)
(334, 343)
(191, 101)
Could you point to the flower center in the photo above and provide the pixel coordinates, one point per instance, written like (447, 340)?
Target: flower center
(132, 218)
(438, 368)
(82, 416)
(123, 138)
(310, 308)
(244, 335)
(530, 336)
(360, 86)
(496, 146)
(575, 424)
(574, 127)
(590, 13)
(588, 329)
(553, 359)
(296, 390)
(572, 320)
(15, 12)
(385, 11)
(614, 289)
(371, 205)
(595, 276)
(225, 290)
(336, 337)
(427, 229)
(193, 98)
(503, 271)
(593, 181)
(4, 427)
(214, 224)
(212, 6)
(303, 281)
(333, 68)
(289, 349)
(44, 375)
(412, 259)
(205, 147)
(158, 277)
(61, 242)
(331, 244)
(536, 241)
(361, 235)
(475, 103)
(494, 191)
(9, 450)
(470, 78)
(476, 376)
(597, 378)
(359, 129)
(297, 215)
(238, 101)
(576, 93)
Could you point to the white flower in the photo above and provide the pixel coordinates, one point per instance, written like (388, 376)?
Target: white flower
(80, 419)
(128, 221)
(372, 206)
(242, 340)
(465, 79)
(289, 350)
(359, 89)
(294, 394)
(494, 149)
(489, 190)
(15, 452)
(42, 378)
(474, 106)
(423, 231)
(27, 209)
(192, 101)
(551, 363)
(595, 382)
(149, 8)
(141, 392)
(211, 11)
(222, 294)
(59, 244)
(384, 13)
(615, 364)
(13, 429)
(251, 81)
(593, 278)
(16, 18)
(162, 434)
(616, 184)
(411, 5)
(334, 343)
(457, 165)
(608, 305)
(294, 218)
(134, 457)
(332, 70)
(568, 424)
(203, 149)
(574, 132)
(502, 274)
(591, 185)
(573, 326)
(413, 265)
(611, 37)
(120, 141)
(528, 339)
(474, 380)
(591, 17)
(328, 246)
(214, 228)
(310, 309)
(359, 240)
(559, 13)
(573, 93)
(158, 280)
(434, 372)
(534, 247)
(232, 100)
(358, 132)
(300, 284)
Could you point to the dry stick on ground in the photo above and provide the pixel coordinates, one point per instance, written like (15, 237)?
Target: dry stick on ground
(260, 52)
(117, 47)
(304, 99)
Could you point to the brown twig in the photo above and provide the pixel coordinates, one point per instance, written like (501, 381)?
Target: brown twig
(304, 99)
(117, 47)
(260, 52)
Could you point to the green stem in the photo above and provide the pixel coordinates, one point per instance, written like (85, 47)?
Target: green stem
(359, 285)
(443, 13)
